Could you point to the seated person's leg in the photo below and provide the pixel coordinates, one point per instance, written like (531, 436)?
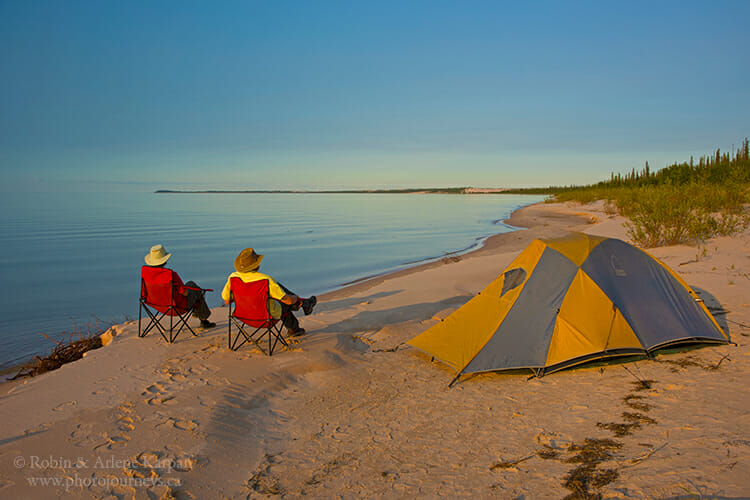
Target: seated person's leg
(201, 311)
(289, 320)
(307, 305)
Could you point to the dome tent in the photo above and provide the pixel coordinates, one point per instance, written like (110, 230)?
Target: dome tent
(567, 301)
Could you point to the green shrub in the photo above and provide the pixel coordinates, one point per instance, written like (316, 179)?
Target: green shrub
(670, 215)
(683, 203)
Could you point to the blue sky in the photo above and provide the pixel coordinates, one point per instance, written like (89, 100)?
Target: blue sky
(315, 95)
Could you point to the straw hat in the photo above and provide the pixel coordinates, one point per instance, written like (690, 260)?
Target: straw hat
(247, 260)
(157, 256)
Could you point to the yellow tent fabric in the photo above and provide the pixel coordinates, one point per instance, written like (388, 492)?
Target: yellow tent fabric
(570, 300)
(458, 350)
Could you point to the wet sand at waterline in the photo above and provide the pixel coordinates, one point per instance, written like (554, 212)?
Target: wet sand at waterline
(350, 412)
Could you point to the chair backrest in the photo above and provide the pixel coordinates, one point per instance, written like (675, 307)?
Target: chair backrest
(158, 290)
(251, 301)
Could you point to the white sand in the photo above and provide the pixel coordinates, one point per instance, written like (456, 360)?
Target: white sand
(343, 415)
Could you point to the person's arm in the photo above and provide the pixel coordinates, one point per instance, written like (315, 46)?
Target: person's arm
(289, 299)
(179, 286)
(278, 293)
(226, 293)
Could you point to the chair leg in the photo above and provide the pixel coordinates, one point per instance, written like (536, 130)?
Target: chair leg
(280, 333)
(171, 328)
(235, 344)
(176, 324)
(274, 333)
(154, 323)
(278, 336)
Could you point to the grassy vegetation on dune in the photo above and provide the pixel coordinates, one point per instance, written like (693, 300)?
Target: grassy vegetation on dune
(682, 203)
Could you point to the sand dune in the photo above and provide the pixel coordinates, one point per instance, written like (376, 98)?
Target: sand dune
(350, 412)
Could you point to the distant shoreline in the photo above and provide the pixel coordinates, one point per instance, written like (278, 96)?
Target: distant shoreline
(460, 190)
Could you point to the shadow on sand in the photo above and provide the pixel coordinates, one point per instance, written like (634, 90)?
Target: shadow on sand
(333, 305)
(375, 320)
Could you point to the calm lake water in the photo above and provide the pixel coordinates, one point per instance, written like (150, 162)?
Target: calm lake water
(70, 259)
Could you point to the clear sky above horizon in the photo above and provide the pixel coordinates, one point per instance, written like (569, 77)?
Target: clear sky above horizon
(143, 95)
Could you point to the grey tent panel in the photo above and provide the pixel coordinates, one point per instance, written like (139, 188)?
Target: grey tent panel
(658, 308)
(523, 338)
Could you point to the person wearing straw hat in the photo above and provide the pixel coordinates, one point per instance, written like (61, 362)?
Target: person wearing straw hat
(282, 301)
(158, 257)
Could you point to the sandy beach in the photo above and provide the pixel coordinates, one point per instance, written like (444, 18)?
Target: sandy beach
(349, 411)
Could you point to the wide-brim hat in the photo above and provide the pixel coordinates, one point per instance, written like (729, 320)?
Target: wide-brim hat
(247, 260)
(157, 256)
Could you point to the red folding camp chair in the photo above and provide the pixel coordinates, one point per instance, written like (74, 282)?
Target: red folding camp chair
(160, 297)
(251, 310)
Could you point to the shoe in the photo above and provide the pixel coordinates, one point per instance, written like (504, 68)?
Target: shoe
(207, 324)
(308, 304)
(295, 333)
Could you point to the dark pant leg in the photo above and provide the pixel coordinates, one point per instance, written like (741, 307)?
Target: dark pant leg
(287, 311)
(288, 319)
(194, 297)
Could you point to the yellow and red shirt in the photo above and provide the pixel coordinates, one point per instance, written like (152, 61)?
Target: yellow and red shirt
(274, 290)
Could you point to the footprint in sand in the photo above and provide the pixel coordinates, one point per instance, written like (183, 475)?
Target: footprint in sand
(112, 442)
(85, 436)
(207, 351)
(138, 472)
(64, 405)
(149, 458)
(197, 369)
(81, 430)
(185, 425)
(154, 389)
(121, 439)
(177, 377)
(148, 464)
(185, 463)
(206, 401)
(159, 401)
(156, 395)
(125, 424)
(553, 440)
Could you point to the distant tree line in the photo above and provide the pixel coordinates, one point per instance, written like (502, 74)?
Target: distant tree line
(685, 202)
(718, 169)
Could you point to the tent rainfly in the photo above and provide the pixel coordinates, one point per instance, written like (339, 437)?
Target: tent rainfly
(567, 301)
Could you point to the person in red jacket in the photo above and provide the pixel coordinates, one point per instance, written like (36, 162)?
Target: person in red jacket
(158, 257)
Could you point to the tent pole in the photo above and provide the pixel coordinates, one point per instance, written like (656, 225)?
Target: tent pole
(454, 380)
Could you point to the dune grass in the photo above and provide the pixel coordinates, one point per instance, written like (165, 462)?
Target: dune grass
(671, 214)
